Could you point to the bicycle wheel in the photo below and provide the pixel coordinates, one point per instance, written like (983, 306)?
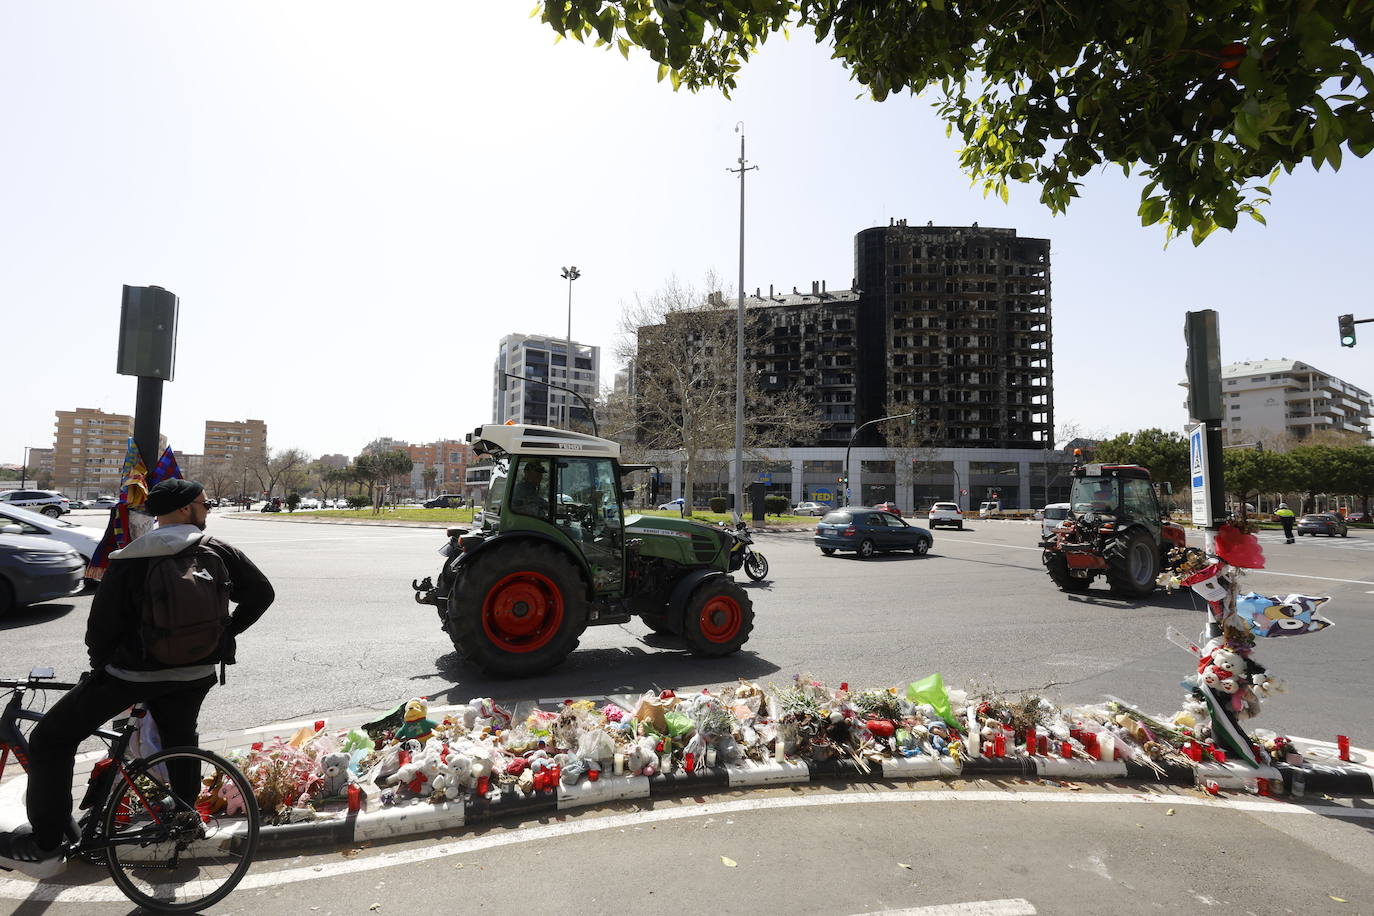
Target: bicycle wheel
(177, 850)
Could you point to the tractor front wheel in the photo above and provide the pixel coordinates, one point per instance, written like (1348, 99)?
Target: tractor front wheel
(517, 610)
(1132, 564)
(718, 618)
(1057, 565)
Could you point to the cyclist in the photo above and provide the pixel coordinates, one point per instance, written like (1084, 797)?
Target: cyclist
(122, 673)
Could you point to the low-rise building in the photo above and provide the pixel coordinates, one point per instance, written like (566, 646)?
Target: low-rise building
(1273, 399)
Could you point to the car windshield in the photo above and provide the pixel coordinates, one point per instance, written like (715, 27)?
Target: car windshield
(837, 518)
(34, 518)
(1056, 512)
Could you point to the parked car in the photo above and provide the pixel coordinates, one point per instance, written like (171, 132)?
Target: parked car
(48, 502)
(1051, 516)
(76, 503)
(34, 569)
(868, 531)
(36, 525)
(309, 502)
(809, 509)
(446, 501)
(672, 504)
(946, 514)
(1322, 523)
(890, 507)
(103, 502)
(1356, 517)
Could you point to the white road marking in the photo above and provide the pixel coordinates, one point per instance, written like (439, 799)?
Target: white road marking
(1012, 907)
(428, 532)
(17, 889)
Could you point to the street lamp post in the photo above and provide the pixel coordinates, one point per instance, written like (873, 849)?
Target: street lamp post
(850, 447)
(570, 274)
(24, 470)
(737, 475)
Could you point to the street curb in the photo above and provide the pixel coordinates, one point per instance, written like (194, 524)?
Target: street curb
(420, 817)
(405, 523)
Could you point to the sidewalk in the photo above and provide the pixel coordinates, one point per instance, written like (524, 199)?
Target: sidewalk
(1322, 774)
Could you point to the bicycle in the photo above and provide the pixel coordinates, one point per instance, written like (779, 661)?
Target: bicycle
(167, 850)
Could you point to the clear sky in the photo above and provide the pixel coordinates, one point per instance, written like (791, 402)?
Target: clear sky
(356, 201)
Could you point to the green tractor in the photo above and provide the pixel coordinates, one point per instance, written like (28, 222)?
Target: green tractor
(552, 553)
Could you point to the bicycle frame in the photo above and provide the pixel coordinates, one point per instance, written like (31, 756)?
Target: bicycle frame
(12, 740)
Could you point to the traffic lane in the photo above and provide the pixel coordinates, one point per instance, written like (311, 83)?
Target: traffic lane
(984, 614)
(865, 849)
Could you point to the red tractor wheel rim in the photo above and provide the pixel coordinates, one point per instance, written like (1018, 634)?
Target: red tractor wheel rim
(522, 612)
(720, 619)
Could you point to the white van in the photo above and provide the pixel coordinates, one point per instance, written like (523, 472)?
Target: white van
(1051, 516)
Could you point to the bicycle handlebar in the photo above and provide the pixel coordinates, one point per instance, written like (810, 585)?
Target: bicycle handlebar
(34, 684)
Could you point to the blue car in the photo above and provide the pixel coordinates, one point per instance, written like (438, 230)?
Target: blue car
(868, 531)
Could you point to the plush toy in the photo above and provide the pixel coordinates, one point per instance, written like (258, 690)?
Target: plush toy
(423, 767)
(416, 724)
(642, 758)
(391, 759)
(454, 777)
(337, 776)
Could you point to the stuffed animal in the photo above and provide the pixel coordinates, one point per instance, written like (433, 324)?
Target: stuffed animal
(642, 759)
(337, 776)
(423, 767)
(416, 724)
(391, 759)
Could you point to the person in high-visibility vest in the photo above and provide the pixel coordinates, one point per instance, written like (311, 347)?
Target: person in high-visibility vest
(1286, 518)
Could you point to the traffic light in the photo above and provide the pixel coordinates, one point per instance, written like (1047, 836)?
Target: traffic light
(1347, 323)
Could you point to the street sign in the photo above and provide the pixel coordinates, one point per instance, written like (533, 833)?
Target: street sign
(765, 477)
(823, 494)
(1197, 475)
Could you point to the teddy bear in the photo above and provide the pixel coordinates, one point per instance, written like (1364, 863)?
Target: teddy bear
(337, 776)
(643, 757)
(392, 757)
(454, 777)
(423, 767)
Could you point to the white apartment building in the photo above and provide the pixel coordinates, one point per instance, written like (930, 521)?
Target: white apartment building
(544, 359)
(1269, 397)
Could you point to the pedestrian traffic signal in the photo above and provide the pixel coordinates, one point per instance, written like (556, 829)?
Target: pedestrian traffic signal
(1347, 323)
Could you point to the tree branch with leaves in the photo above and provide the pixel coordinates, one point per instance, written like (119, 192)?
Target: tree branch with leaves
(1208, 100)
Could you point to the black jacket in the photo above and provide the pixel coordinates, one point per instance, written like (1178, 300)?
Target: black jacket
(112, 632)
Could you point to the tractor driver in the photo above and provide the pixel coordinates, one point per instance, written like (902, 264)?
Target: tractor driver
(1102, 497)
(531, 496)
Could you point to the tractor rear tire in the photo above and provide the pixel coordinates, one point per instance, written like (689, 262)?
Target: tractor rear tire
(1132, 564)
(517, 610)
(718, 618)
(1057, 565)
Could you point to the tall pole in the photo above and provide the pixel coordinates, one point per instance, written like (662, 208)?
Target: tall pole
(737, 472)
(850, 447)
(570, 274)
(24, 470)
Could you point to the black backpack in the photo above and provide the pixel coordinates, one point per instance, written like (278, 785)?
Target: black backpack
(185, 607)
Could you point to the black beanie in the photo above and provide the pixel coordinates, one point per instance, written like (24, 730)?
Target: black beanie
(171, 495)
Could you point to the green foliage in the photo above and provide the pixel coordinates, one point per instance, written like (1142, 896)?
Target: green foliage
(358, 502)
(719, 503)
(1248, 472)
(293, 500)
(776, 504)
(1165, 454)
(1208, 100)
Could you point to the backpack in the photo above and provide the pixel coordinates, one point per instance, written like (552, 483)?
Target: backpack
(185, 607)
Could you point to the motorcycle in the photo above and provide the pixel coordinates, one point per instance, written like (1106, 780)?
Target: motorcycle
(743, 555)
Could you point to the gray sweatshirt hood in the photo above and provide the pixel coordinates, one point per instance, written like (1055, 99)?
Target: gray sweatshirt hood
(160, 542)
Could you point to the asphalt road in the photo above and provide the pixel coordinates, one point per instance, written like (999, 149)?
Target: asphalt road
(346, 635)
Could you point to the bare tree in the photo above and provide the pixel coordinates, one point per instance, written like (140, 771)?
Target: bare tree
(681, 344)
(279, 466)
(220, 479)
(911, 441)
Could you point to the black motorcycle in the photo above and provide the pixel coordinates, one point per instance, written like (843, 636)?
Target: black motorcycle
(743, 555)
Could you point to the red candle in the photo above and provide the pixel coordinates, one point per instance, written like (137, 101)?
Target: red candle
(1343, 747)
(1044, 745)
(1065, 750)
(355, 797)
(689, 762)
(482, 785)
(999, 744)
(1030, 741)
(593, 775)
(319, 725)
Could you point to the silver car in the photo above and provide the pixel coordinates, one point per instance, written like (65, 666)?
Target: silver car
(34, 569)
